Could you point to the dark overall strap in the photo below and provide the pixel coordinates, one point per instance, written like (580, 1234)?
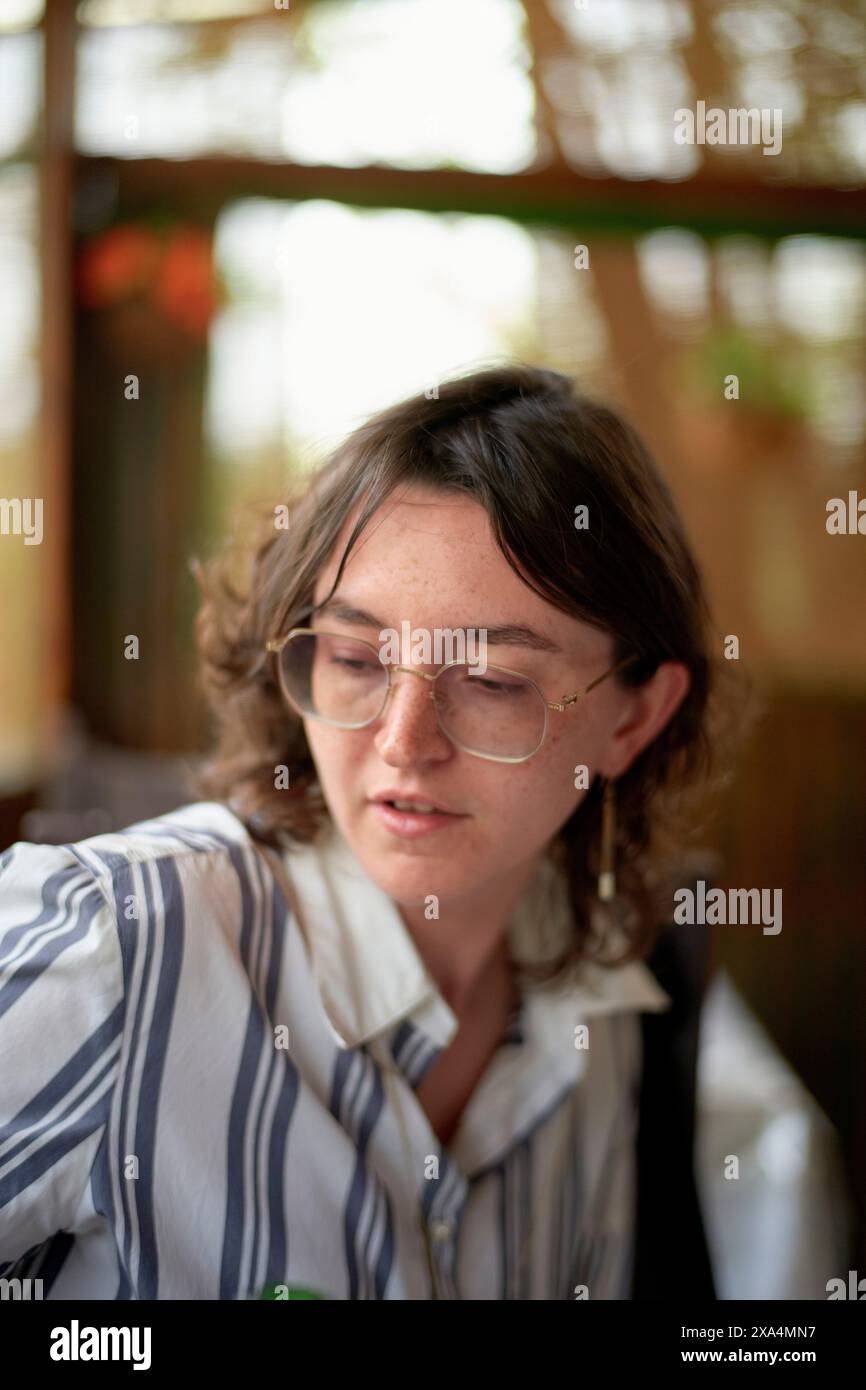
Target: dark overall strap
(671, 1256)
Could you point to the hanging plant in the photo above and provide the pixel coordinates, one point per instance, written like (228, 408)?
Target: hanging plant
(769, 387)
(153, 286)
(146, 296)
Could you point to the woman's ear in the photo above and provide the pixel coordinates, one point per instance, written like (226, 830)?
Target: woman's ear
(646, 711)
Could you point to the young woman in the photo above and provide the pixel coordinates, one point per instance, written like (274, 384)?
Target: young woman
(371, 1020)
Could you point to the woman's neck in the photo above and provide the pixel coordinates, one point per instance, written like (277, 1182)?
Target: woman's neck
(466, 949)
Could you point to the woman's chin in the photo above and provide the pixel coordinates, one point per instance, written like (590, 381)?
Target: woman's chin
(412, 880)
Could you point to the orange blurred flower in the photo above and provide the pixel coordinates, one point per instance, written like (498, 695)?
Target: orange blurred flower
(173, 272)
(116, 265)
(185, 289)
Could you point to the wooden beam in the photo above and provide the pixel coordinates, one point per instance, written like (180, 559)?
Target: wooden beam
(54, 483)
(640, 351)
(550, 196)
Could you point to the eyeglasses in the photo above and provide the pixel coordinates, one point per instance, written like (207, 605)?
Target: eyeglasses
(491, 712)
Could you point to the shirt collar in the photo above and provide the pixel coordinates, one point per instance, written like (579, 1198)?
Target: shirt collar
(353, 929)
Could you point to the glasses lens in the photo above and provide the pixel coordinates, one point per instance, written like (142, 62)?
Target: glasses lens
(337, 679)
(491, 712)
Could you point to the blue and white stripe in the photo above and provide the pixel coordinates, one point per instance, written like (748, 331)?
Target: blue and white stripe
(158, 1141)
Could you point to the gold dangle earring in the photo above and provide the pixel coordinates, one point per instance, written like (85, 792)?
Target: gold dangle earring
(607, 867)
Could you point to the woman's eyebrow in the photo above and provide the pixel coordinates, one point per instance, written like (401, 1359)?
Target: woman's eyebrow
(502, 635)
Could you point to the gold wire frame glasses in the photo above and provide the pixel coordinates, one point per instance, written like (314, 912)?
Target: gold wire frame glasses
(277, 646)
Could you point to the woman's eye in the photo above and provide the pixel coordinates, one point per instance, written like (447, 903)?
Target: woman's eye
(496, 687)
(353, 663)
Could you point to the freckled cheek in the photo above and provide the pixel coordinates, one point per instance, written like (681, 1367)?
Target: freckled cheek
(567, 752)
(337, 754)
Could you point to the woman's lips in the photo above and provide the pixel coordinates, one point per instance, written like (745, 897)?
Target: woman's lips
(411, 824)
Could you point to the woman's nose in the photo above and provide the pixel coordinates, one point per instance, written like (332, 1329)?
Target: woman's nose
(408, 728)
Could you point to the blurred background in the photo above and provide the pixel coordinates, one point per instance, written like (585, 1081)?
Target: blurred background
(229, 230)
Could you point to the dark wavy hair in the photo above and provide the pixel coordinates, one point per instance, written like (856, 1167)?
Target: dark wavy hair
(526, 445)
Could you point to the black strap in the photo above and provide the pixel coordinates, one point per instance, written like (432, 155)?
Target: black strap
(671, 1256)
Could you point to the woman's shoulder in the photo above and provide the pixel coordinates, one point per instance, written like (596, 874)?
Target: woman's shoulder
(190, 841)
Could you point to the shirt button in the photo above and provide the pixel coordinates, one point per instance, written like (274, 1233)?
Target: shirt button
(441, 1230)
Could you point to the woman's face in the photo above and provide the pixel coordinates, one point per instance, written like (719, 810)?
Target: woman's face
(430, 559)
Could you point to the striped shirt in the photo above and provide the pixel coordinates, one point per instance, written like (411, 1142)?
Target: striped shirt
(196, 1102)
